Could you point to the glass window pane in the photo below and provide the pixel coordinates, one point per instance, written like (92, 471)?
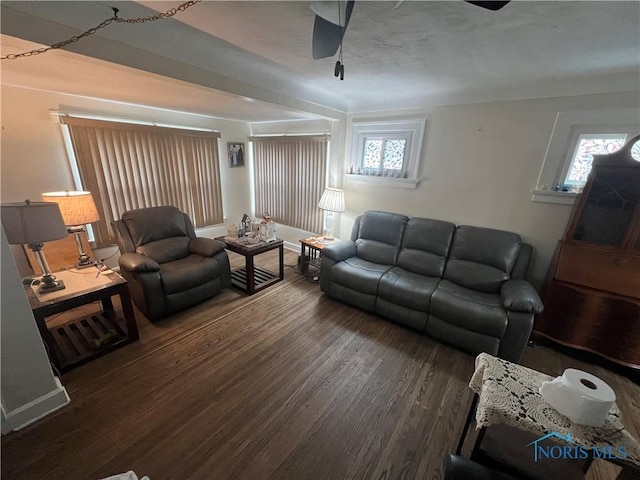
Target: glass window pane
(394, 154)
(372, 153)
(589, 145)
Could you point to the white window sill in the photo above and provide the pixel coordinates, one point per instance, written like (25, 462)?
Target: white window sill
(550, 196)
(385, 181)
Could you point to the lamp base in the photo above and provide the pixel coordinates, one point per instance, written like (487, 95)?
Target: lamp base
(85, 263)
(48, 283)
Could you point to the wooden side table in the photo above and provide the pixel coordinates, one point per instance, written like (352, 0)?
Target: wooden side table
(80, 340)
(251, 278)
(508, 394)
(311, 251)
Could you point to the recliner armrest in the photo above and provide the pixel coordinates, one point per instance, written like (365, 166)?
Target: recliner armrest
(520, 296)
(340, 251)
(207, 247)
(135, 262)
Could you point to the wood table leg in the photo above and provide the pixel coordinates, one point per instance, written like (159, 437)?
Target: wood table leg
(107, 304)
(129, 315)
(303, 262)
(251, 279)
(281, 254)
(467, 424)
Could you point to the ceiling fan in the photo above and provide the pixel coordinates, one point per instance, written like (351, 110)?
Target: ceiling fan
(332, 19)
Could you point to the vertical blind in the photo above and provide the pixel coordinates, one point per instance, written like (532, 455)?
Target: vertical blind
(129, 166)
(290, 176)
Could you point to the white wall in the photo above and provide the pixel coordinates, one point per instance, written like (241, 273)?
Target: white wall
(478, 165)
(28, 388)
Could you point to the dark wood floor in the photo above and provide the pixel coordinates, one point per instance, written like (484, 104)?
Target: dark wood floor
(285, 384)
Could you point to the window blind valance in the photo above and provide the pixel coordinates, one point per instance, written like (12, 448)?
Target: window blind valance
(135, 127)
(291, 138)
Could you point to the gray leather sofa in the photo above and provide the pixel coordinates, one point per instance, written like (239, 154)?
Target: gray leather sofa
(463, 285)
(166, 266)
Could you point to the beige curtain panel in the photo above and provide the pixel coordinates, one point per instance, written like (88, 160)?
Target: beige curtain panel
(290, 175)
(129, 166)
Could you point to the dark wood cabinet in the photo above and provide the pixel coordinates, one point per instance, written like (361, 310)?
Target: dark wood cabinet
(592, 292)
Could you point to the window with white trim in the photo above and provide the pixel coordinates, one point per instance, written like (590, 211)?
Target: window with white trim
(387, 151)
(587, 145)
(576, 137)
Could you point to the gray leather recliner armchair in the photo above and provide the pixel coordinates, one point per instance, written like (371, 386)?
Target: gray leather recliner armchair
(166, 266)
(463, 285)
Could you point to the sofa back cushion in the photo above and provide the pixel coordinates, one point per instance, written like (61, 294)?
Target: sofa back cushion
(425, 246)
(162, 233)
(379, 236)
(482, 258)
(166, 249)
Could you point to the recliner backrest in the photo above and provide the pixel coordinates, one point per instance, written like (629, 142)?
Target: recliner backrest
(425, 246)
(161, 233)
(380, 236)
(482, 258)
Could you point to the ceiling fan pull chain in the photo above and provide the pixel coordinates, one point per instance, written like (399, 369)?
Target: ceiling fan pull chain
(339, 70)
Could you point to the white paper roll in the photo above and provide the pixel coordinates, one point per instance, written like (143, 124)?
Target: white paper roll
(580, 396)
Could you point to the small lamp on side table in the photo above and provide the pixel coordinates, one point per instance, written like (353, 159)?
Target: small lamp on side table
(34, 223)
(332, 201)
(78, 209)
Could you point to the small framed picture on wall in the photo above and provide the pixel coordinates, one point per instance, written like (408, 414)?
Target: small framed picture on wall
(236, 154)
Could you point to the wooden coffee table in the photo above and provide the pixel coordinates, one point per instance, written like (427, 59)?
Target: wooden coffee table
(85, 337)
(253, 279)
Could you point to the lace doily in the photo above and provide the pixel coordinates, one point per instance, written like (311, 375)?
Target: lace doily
(509, 393)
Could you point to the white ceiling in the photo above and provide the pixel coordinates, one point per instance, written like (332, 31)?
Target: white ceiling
(421, 53)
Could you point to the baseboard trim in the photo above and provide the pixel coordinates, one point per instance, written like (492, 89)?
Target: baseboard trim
(291, 246)
(36, 409)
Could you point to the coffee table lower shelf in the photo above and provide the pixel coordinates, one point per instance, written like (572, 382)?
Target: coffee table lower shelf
(75, 341)
(262, 279)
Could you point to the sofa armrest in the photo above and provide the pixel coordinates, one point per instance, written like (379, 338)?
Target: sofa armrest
(135, 262)
(520, 296)
(340, 251)
(207, 247)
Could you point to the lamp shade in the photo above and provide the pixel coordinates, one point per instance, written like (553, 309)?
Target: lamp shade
(32, 222)
(332, 200)
(78, 208)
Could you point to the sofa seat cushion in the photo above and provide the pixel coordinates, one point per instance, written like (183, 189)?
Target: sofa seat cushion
(359, 274)
(475, 311)
(408, 289)
(188, 272)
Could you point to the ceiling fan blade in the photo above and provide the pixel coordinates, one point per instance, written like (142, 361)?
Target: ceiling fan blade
(326, 38)
(488, 5)
(327, 35)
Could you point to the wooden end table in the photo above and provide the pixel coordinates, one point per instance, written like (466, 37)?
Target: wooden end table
(314, 246)
(253, 279)
(508, 394)
(80, 340)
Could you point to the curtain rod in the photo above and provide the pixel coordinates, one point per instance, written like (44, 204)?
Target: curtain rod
(58, 115)
(321, 135)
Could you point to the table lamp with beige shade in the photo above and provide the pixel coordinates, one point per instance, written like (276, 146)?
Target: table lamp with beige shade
(34, 223)
(332, 200)
(78, 209)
